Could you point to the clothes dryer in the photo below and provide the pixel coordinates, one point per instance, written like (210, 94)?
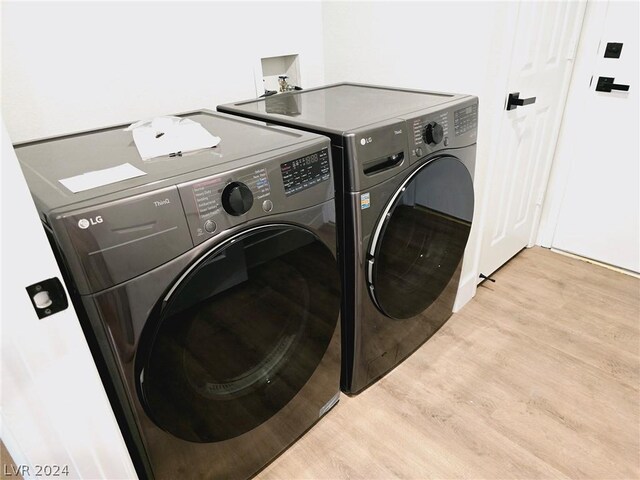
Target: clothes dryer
(208, 288)
(404, 163)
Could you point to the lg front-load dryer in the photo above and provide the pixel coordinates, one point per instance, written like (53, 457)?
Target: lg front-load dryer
(404, 163)
(208, 287)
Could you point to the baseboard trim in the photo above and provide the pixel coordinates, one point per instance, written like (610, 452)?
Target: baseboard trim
(466, 291)
(595, 262)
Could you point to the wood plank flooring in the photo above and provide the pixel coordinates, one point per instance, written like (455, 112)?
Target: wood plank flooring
(537, 377)
(7, 465)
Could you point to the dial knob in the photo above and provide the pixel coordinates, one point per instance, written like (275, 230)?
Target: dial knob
(237, 198)
(433, 133)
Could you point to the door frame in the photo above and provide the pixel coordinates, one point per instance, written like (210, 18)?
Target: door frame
(546, 180)
(487, 147)
(561, 169)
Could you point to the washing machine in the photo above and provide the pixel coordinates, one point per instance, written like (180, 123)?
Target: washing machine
(207, 287)
(404, 162)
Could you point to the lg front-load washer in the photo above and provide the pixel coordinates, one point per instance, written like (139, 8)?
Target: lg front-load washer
(404, 163)
(208, 288)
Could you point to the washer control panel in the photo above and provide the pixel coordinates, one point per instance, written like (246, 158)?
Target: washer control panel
(214, 204)
(212, 194)
(305, 172)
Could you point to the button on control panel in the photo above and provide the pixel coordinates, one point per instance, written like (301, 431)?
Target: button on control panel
(267, 206)
(210, 226)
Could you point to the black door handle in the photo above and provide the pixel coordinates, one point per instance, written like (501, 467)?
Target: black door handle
(514, 101)
(605, 84)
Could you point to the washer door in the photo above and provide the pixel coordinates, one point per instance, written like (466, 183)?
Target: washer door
(239, 334)
(420, 238)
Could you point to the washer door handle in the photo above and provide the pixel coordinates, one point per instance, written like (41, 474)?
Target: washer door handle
(514, 101)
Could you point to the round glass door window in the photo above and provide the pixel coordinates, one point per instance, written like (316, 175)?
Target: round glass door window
(420, 239)
(240, 335)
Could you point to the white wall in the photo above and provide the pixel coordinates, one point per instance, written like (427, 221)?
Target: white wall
(460, 47)
(54, 410)
(80, 65)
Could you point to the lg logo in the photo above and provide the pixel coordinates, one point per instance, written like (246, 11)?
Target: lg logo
(364, 141)
(83, 223)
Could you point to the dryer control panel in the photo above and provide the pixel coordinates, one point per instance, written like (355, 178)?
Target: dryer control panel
(454, 127)
(465, 119)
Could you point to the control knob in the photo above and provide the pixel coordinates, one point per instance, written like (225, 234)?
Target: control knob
(433, 133)
(237, 198)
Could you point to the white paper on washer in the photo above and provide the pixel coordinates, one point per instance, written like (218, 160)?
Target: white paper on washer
(163, 136)
(99, 178)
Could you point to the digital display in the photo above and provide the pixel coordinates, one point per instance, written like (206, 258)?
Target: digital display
(465, 119)
(305, 172)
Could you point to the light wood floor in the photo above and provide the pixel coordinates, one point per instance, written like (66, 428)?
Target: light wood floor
(7, 465)
(537, 377)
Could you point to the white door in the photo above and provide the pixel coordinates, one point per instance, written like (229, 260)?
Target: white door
(595, 197)
(56, 418)
(541, 62)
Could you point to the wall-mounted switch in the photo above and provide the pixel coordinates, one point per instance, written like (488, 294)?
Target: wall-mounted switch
(613, 50)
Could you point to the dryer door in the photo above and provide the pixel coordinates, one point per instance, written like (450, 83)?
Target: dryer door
(239, 334)
(420, 238)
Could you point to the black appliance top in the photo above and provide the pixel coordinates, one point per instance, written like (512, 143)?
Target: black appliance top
(338, 108)
(46, 162)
